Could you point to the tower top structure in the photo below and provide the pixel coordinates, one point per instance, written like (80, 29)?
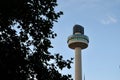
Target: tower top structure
(78, 39)
(78, 29)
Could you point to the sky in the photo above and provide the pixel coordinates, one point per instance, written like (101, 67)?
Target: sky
(101, 22)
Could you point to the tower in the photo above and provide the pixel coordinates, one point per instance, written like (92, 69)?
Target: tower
(78, 41)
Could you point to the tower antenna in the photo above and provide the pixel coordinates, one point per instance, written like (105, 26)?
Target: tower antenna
(84, 76)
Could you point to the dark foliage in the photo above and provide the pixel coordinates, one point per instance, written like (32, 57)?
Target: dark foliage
(25, 33)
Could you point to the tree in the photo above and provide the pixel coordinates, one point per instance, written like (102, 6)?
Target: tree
(25, 33)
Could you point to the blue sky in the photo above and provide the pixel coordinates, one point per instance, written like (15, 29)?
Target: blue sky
(101, 22)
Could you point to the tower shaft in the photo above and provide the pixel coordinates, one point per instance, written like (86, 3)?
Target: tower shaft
(78, 64)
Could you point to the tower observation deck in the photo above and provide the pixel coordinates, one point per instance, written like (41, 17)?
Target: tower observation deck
(78, 41)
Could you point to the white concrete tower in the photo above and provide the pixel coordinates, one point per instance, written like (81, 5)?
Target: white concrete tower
(78, 41)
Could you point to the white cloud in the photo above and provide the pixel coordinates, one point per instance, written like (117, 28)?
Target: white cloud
(109, 20)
